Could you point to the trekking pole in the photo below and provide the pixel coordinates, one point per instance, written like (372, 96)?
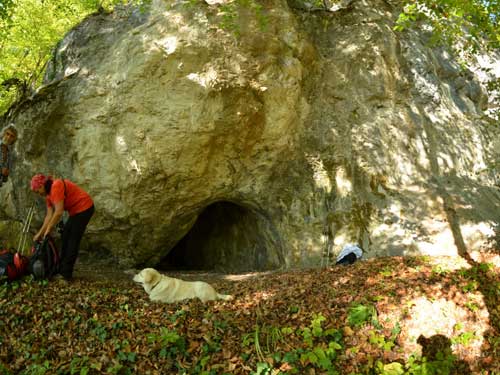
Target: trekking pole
(28, 219)
(21, 235)
(26, 227)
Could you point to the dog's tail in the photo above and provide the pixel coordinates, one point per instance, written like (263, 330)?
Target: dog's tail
(225, 297)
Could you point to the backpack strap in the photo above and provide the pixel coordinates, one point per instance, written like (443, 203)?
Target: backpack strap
(5, 154)
(64, 183)
(60, 225)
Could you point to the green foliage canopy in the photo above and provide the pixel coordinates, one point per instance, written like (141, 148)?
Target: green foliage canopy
(469, 25)
(29, 30)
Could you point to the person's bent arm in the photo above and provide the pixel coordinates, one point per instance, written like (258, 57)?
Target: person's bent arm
(48, 216)
(56, 216)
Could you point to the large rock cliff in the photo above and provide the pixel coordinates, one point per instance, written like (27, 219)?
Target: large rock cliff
(235, 146)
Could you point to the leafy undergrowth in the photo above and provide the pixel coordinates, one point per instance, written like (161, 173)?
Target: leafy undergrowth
(380, 316)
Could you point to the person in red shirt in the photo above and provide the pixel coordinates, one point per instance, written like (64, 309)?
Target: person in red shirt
(63, 195)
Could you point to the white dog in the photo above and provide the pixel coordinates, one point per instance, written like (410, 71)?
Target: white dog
(168, 289)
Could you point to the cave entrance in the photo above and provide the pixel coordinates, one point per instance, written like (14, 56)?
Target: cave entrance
(227, 237)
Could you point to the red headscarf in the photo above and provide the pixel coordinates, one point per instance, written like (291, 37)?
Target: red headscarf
(38, 180)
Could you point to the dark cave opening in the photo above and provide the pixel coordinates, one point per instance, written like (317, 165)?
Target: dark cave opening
(226, 237)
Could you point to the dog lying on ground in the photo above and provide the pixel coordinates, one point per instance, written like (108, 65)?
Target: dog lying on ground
(168, 289)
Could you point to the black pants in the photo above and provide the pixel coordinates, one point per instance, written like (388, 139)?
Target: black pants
(71, 237)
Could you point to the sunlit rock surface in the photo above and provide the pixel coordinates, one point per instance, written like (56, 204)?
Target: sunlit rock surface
(207, 150)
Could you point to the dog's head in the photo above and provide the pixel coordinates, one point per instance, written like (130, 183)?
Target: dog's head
(147, 277)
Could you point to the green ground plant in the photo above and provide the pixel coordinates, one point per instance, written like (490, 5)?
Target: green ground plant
(319, 348)
(360, 314)
(113, 328)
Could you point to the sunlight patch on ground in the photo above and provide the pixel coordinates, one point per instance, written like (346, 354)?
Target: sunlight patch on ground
(449, 263)
(254, 299)
(262, 296)
(486, 257)
(246, 276)
(211, 275)
(446, 317)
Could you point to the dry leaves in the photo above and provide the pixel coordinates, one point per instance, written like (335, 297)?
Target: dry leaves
(278, 322)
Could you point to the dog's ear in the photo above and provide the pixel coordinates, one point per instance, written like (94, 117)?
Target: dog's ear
(148, 277)
(155, 276)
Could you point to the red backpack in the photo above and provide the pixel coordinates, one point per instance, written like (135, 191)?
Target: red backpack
(12, 265)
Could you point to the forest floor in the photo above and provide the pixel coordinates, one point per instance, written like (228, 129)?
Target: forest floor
(396, 315)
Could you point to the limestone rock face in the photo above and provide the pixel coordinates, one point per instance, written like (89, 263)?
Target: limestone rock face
(265, 149)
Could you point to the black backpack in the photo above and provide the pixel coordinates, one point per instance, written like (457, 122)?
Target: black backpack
(45, 259)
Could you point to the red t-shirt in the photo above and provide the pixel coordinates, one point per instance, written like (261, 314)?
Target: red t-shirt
(76, 201)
